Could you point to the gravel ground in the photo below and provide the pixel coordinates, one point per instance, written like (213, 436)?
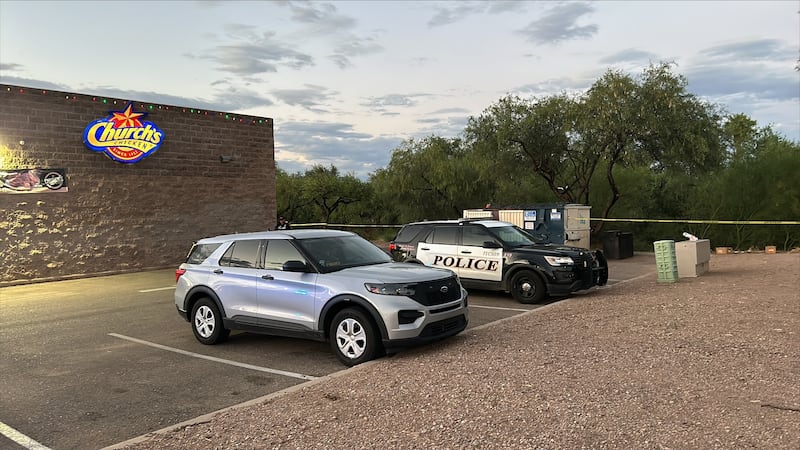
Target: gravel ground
(707, 362)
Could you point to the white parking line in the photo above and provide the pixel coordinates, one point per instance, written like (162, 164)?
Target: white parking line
(644, 275)
(498, 307)
(158, 289)
(211, 358)
(20, 438)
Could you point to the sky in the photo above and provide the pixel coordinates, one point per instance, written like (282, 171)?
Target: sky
(347, 82)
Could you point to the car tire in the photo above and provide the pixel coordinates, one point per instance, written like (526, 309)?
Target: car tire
(527, 287)
(207, 322)
(353, 337)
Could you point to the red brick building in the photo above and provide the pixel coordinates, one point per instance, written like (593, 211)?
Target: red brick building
(212, 173)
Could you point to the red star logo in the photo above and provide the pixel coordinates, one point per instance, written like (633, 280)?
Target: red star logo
(128, 118)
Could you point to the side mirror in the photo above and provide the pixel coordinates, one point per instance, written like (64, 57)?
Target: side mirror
(491, 244)
(295, 266)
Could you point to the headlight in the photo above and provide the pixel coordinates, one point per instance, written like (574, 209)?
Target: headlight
(559, 260)
(390, 289)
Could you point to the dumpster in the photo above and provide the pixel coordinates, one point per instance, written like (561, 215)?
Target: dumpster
(618, 244)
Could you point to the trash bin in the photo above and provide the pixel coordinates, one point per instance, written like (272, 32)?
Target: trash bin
(618, 244)
(666, 262)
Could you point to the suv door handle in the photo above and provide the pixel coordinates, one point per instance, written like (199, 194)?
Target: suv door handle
(466, 252)
(424, 248)
(267, 277)
(218, 271)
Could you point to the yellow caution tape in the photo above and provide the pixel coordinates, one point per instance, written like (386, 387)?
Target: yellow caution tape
(599, 219)
(722, 222)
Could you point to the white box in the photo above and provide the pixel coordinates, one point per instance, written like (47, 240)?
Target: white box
(692, 257)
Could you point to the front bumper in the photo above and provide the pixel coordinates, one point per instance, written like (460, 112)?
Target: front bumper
(565, 282)
(434, 322)
(432, 332)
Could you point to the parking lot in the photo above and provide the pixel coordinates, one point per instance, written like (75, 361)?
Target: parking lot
(92, 362)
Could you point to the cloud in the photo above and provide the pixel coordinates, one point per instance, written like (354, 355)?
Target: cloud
(351, 46)
(322, 18)
(11, 67)
(447, 122)
(321, 130)
(630, 55)
(554, 86)
(759, 81)
(36, 84)
(446, 16)
(746, 68)
(451, 111)
(450, 126)
(392, 100)
(253, 54)
(341, 61)
(311, 97)
(754, 50)
(560, 24)
(299, 145)
(504, 6)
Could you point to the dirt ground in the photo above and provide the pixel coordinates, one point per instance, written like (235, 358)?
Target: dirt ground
(704, 363)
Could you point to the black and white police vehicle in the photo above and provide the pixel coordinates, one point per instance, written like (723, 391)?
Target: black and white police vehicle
(496, 255)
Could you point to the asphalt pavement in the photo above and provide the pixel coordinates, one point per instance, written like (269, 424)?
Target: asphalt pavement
(92, 362)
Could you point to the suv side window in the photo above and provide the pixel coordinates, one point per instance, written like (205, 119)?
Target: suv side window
(408, 233)
(200, 252)
(443, 235)
(242, 254)
(278, 252)
(475, 236)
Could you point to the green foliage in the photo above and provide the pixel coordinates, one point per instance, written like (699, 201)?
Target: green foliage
(759, 186)
(321, 194)
(431, 178)
(631, 147)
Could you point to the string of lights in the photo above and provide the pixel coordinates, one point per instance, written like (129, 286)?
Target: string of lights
(144, 106)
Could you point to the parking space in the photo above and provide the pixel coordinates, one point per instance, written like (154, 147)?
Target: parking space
(93, 362)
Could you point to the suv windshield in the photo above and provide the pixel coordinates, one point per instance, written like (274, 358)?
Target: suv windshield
(336, 253)
(513, 236)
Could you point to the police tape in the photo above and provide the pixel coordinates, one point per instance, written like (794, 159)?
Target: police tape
(340, 225)
(597, 219)
(711, 222)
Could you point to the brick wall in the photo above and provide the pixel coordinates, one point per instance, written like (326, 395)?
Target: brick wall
(119, 217)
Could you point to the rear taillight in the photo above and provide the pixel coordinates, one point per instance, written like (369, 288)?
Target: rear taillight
(178, 273)
(392, 247)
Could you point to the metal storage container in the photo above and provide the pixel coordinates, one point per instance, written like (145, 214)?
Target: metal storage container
(692, 257)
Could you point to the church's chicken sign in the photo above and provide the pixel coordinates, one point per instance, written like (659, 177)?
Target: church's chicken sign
(123, 136)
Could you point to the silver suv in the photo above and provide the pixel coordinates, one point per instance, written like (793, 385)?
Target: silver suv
(325, 285)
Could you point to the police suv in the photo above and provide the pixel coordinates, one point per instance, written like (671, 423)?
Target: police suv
(495, 255)
(325, 285)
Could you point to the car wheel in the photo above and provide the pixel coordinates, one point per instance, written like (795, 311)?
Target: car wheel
(527, 287)
(353, 337)
(207, 322)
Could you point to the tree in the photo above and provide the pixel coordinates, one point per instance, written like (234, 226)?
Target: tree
(741, 138)
(430, 178)
(329, 191)
(758, 184)
(653, 123)
(537, 134)
(291, 202)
